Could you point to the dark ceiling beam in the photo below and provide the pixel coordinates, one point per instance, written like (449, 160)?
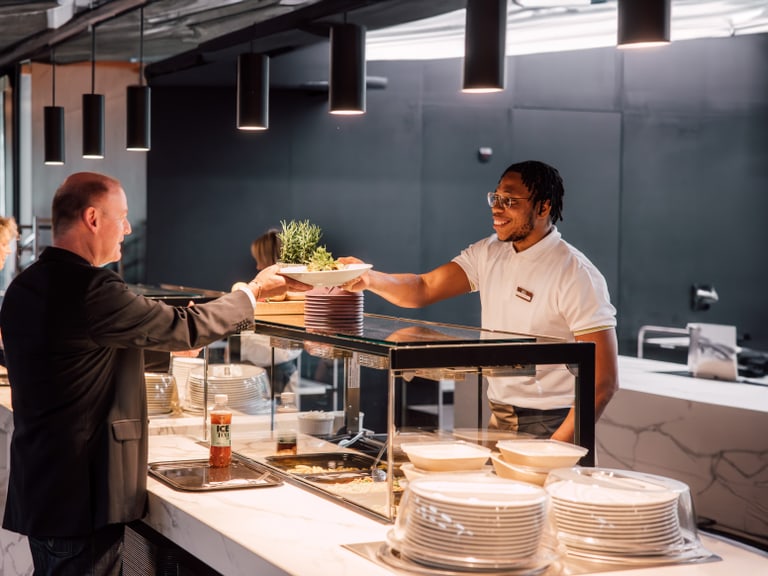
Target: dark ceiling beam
(304, 18)
(41, 44)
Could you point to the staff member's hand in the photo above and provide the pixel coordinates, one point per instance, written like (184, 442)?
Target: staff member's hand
(357, 284)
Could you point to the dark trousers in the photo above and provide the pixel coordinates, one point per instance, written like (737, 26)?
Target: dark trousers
(95, 555)
(538, 423)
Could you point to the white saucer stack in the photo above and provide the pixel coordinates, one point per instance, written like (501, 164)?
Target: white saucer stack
(246, 386)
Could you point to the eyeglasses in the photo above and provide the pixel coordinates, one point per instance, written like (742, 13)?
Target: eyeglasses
(503, 201)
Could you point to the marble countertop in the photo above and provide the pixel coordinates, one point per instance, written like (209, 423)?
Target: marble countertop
(670, 379)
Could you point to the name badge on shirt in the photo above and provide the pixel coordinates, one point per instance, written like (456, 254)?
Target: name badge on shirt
(526, 295)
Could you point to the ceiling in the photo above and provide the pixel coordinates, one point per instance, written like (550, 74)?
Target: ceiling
(186, 34)
(182, 33)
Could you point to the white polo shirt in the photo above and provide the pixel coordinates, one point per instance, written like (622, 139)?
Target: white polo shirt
(549, 289)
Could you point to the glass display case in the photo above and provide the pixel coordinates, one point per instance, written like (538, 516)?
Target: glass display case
(390, 382)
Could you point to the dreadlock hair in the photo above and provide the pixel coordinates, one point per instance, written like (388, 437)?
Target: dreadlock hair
(544, 183)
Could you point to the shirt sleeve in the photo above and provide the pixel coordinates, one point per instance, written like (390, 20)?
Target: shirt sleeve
(468, 261)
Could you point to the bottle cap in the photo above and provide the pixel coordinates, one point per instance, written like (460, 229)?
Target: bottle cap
(288, 397)
(221, 398)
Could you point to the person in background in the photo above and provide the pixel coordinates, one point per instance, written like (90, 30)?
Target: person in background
(530, 281)
(266, 249)
(9, 232)
(74, 339)
(255, 348)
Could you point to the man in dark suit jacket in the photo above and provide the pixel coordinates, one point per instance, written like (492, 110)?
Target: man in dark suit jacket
(74, 337)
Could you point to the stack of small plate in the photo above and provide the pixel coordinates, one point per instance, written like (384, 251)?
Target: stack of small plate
(246, 386)
(614, 514)
(161, 393)
(472, 522)
(333, 310)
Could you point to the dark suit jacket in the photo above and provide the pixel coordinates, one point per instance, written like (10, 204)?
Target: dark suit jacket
(74, 336)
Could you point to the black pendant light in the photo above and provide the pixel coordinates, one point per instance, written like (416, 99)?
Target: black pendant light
(138, 104)
(346, 93)
(253, 91)
(643, 23)
(93, 113)
(53, 124)
(485, 44)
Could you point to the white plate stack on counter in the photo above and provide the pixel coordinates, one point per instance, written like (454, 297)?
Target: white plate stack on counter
(246, 386)
(624, 517)
(474, 523)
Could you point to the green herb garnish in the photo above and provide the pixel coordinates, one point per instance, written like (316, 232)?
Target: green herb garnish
(323, 260)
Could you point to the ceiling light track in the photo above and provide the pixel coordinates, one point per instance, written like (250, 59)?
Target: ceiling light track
(289, 22)
(39, 46)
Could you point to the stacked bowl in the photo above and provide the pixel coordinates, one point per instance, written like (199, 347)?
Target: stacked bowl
(531, 460)
(439, 457)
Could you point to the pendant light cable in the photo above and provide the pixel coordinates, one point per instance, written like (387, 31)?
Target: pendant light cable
(53, 76)
(93, 60)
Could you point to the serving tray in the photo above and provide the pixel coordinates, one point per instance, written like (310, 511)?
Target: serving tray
(198, 476)
(331, 462)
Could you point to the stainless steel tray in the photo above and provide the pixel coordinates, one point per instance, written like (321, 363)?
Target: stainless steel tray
(197, 476)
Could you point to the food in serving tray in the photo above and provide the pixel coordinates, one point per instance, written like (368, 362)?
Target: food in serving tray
(312, 469)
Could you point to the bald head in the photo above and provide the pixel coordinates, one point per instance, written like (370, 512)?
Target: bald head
(78, 192)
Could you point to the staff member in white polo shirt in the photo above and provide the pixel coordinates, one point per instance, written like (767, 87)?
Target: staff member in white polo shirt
(530, 281)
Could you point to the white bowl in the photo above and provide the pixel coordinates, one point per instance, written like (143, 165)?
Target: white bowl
(316, 423)
(510, 471)
(324, 277)
(541, 453)
(446, 456)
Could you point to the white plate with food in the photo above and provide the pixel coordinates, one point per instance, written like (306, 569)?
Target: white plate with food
(324, 277)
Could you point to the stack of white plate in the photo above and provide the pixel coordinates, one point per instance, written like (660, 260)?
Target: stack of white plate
(333, 310)
(246, 386)
(615, 515)
(472, 522)
(161, 393)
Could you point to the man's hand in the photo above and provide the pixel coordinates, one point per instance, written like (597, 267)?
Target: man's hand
(269, 283)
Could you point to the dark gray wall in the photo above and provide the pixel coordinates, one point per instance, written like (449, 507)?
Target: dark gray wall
(663, 153)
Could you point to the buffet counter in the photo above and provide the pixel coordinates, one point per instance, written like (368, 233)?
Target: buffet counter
(290, 530)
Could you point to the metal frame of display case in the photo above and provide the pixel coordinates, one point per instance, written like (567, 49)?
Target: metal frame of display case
(403, 346)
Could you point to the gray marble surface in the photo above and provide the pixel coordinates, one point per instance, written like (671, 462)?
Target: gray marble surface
(709, 434)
